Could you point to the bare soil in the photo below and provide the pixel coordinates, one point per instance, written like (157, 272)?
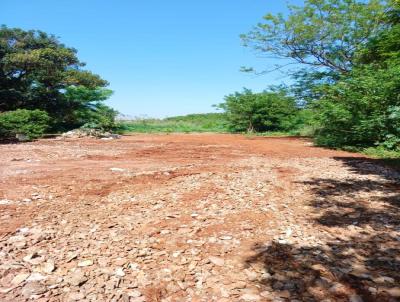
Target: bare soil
(199, 217)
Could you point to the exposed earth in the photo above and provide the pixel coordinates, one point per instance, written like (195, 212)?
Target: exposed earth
(196, 218)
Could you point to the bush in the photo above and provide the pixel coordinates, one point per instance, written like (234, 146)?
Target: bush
(361, 110)
(30, 123)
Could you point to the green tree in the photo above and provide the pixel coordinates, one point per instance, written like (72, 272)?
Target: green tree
(84, 106)
(384, 48)
(39, 72)
(349, 53)
(266, 111)
(362, 108)
(322, 34)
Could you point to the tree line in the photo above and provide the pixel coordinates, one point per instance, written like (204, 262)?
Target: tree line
(344, 58)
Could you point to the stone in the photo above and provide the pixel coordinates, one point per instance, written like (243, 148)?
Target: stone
(383, 279)
(77, 278)
(48, 267)
(33, 258)
(217, 260)
(119, 272)
(134, 293)
(138, 299)
(103, 262)
(176, 254)
(338, 289)
(21, 137)
(33, 288)
(18, 279)
(117, 169)
(24, 230)
(71, 256)
(394, 292)
(85, 263)
(172, 287)
(238, 285)
(226, 237)
(119, 261)
(5, 201)
(265, 294)
(355, 298)
(6, 290)
(36, 277)
(20, 244)
(76, 296)
(251, 275)
(373, 290)
(250, 297)
(284, 294)
(15, 239)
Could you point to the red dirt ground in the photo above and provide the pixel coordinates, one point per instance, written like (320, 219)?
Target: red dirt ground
(200, 217)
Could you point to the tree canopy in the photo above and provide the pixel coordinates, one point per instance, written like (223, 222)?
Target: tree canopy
(322, 33)
(347, 54)
(37, 71)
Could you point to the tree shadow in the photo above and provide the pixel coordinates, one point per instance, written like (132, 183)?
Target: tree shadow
(389, 168)
(361, 262)
(8, 141)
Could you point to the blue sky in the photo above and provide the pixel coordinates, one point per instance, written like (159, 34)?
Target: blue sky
(162, 58)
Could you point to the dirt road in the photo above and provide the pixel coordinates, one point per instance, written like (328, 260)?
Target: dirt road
(196, 218)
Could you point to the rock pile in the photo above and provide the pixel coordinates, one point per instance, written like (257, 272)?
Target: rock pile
(78, 133)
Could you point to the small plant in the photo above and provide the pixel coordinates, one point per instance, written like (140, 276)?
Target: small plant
(22, 123)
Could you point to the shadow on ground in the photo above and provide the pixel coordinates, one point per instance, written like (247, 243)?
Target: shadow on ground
(361, 262)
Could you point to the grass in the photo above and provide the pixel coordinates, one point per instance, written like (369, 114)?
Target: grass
(379, 152)
(269, 134)
(208, 122)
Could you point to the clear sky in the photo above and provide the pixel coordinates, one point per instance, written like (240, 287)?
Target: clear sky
(162, 58)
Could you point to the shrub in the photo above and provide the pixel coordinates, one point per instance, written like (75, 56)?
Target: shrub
(30, 123)
(362, 110)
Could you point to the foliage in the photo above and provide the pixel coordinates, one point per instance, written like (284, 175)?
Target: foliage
(30, 123)
(385, 47)
(209, 122)
(349, 84)
(39, 72)
(322, 33)
(103, 118)
(381, 152)
(363, 107)
(85, 107)
(259, 112)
